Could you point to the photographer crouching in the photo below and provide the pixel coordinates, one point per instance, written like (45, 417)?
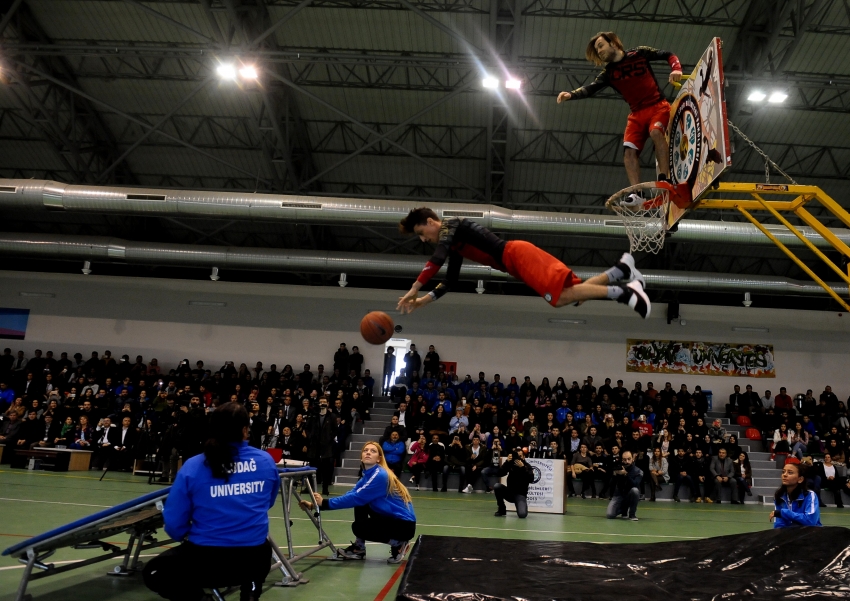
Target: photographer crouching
(520, 475)
(625, 491)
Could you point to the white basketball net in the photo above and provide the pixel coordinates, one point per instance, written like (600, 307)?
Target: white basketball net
(645, 222)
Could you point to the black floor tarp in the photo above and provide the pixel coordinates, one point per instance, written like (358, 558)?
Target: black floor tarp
(792, 563)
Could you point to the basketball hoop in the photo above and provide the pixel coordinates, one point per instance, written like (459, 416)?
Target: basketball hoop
(644, 215)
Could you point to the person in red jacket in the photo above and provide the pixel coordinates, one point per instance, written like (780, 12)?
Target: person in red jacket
(630, 74)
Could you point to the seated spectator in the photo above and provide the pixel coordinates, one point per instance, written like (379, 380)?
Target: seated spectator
(66, 433)
(601, 468)
(490, 472)
(438, 422)
(418, 461)
(456, 460)
(679, 470)
(723, 474)
(459, 420)
(394, 452)
(781, 441)
(478, 459)
(48, 433)
(831, 479)
(436, 459)
(658, 468)
(581, 467)
(794, 503)
(743, 475)
(393, 427)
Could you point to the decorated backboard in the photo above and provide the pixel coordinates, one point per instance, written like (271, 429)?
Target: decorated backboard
(698, 132)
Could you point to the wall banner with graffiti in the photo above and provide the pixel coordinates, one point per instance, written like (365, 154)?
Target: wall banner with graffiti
(700, 358)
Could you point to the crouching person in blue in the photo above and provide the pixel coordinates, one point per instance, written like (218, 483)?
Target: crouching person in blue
(794, 503)
(218, 506)
(625, 491)
(383, 509)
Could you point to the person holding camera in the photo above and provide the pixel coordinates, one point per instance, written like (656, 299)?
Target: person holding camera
(520, 475)
(625, 488)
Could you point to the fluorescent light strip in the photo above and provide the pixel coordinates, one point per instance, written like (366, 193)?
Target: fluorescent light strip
(39, 294)
(569, 321)
(207, 303)
(746, 329)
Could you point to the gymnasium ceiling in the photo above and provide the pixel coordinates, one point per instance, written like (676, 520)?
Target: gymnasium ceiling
(383, 99)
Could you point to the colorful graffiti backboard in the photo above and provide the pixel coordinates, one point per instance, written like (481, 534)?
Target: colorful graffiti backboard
(700, 358)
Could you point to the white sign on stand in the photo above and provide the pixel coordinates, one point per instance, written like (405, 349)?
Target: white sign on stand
(547, 494)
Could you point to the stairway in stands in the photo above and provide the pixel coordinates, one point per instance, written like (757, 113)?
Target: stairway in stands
(765, 472)
(382, 412)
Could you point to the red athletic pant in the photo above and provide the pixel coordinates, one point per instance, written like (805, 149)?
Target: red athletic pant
(542, 272)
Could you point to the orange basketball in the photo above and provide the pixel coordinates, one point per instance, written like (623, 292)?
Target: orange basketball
(377, 327)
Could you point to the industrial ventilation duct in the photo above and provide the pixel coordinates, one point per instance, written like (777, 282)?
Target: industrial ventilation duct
(43, 195)
(82, 248)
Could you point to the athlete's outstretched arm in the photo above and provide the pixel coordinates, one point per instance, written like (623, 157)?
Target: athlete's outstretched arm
(409, 302)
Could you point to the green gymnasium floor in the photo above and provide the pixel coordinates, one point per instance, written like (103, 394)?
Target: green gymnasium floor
(33, 502)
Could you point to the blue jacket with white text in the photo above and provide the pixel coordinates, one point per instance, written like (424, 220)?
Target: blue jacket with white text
(213, 513)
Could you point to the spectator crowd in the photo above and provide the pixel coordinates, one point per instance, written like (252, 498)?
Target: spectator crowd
(124, 411)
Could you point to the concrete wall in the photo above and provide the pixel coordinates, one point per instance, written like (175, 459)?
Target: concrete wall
(302, 324)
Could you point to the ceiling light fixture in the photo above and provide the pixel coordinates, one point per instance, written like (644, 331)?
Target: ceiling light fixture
(207, 303)
(38, 294)
(756, 96)
(777, 97)
(491, 83)
(248, 72)
(226, 71)
(569, 321)
(513, 84)
(749, 329)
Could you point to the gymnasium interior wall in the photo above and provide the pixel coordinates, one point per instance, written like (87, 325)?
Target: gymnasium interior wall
(491, 333)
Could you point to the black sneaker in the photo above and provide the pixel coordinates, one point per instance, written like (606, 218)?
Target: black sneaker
(626, 264)
(501, 512)
(353, 551)
(397, 553)
(634, 296)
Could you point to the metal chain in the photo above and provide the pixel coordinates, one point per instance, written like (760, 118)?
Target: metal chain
(768, 162)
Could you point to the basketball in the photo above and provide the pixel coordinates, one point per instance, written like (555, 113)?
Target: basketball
(376, 327)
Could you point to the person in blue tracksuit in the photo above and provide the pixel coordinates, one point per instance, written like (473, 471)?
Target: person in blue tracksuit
(218, 506)
(795, 504)
(383, 509)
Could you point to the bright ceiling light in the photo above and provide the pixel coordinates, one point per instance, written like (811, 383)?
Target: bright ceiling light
(513, 84)
(491, 83)
(226, 71)
(248, 72)
(756, 96)
(777, 97)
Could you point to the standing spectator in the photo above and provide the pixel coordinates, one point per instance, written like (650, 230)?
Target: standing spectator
(412, 363)
(723, 473)
(736, 404)
(830, 398)
(625, 493)
(432, 361)
(321, 446)
(783, 400)
(355, 361)
(794, 504)
(389, 370)
(341, 359)
(490, 473)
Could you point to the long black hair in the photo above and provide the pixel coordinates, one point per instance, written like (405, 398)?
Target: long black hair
(226, 425)
(800, 489)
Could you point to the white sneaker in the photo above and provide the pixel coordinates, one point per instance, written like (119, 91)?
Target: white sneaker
(634, 275)
(632, 201)
(412, 480)
(638, 300)
(468, 489)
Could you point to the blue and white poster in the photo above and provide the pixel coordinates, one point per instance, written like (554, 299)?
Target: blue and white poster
(13, 323)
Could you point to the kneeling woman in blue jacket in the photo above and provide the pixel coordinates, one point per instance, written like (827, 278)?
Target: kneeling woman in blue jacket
(219, 504)
(795, 504)
(383, 509)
